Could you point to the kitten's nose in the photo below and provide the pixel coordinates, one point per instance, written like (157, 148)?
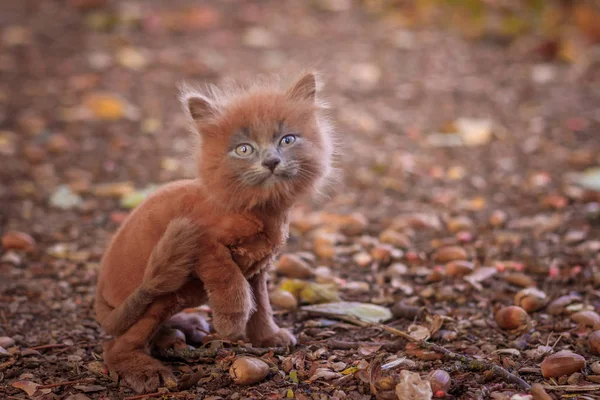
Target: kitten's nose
(271, 163)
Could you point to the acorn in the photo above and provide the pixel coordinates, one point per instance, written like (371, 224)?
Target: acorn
(587, 318)
(559, 305)
(498, 218)
(511, 317)
(531, 299)
(248, 370)
(450, 253)
(459, 268)
(594, 342)
(283, 299)
(292, 266)
(562, 363)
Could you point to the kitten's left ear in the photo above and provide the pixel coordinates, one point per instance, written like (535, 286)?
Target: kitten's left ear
(305, 88)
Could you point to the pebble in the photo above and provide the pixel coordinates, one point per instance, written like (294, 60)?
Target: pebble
(362, 259)
(6, 342)
(459, 224)
(390, 236)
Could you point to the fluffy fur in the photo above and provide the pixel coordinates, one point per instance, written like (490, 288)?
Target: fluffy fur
(212, 238)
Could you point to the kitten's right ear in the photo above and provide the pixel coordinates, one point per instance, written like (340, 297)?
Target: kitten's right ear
(199, 106)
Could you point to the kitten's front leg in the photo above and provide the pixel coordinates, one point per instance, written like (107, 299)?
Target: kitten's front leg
(229, 293)
(262, 329)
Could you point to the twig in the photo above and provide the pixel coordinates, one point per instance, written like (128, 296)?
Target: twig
(472, 363)
(572, 388)
(53, 385)
(49, 346)
(192, 354)
(155, 394)
(335, 344)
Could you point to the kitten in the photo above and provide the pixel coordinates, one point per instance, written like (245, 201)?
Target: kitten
(212, 238)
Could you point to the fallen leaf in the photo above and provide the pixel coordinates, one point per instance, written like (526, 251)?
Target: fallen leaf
(28, 387)
(64, 198)
(363, 311)
(105, 106)
(133, 199)
(412, 387)
(589, 179)
(324, 373)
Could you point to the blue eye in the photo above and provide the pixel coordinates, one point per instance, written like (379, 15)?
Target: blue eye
(287, 140)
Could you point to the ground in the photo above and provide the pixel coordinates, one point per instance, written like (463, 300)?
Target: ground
(443, 140)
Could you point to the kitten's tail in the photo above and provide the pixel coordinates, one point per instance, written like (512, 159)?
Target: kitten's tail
(169, 268)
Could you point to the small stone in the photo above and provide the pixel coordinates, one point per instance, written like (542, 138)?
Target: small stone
(258, 37)
(397, 239)
(363, 259)
(6, 342)
(498, 218)
(58, 143)
(13, 240)
(594, 343)
(34, 154)
(459, 224)
(365, 75)
(132, 58)
(357, 287)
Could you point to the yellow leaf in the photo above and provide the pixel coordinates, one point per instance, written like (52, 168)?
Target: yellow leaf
(105, 106)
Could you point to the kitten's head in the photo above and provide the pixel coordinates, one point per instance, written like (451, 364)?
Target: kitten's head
(260, 145)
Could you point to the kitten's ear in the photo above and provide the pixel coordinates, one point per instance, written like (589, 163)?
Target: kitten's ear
(305, 88)
(201, 108)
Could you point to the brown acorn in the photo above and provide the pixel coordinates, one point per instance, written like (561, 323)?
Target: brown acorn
(594, 342)
(562, 363)
(248, 370)
(531, 299)
(511, 317)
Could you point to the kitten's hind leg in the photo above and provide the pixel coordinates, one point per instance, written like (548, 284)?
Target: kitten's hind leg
(128, 354)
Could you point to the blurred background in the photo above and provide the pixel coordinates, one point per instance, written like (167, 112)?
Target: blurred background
(481, 117)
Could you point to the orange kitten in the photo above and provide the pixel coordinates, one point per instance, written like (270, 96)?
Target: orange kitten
(212, 238)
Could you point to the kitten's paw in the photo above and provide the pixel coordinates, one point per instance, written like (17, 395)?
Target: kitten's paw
(169, 338)
(231, 326)
(147, 378)
(193, 325)
(281, 338)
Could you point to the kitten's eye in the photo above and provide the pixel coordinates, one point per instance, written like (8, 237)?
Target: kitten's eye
(244, 150)
(287, 140)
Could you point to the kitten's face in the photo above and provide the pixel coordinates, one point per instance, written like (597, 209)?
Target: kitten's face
(264, 147)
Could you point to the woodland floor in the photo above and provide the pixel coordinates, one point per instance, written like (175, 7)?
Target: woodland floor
(89, 99)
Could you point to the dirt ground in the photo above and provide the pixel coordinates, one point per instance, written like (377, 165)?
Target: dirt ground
(444, 142)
